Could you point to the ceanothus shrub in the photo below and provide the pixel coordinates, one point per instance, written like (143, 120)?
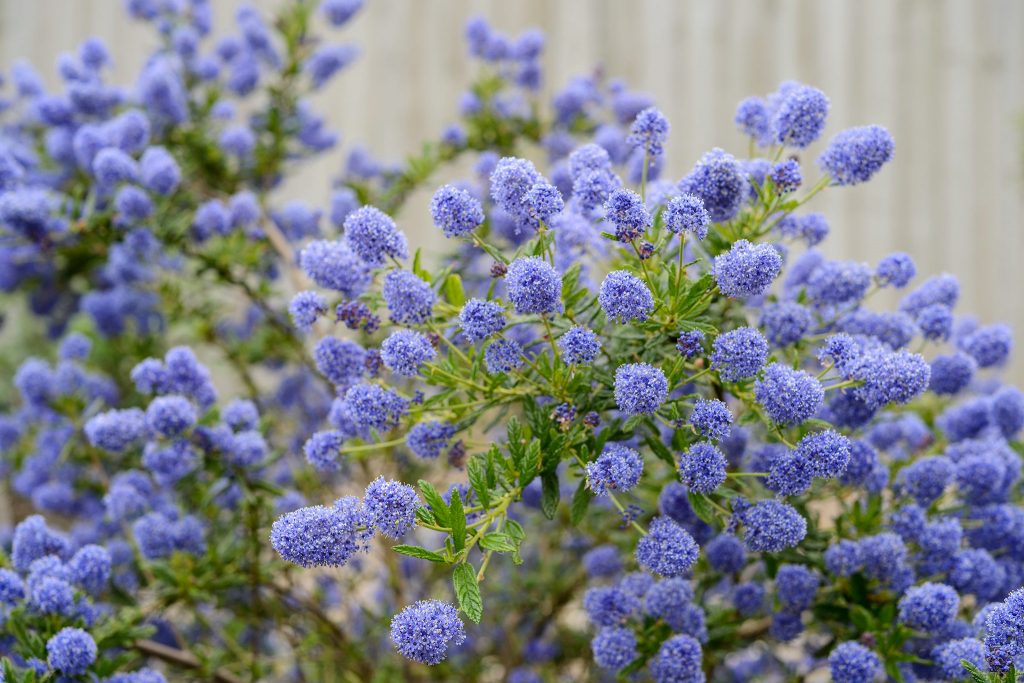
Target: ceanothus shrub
(621, 424)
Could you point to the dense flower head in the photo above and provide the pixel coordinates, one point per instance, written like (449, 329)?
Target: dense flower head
(428, 439)
(679, 660)
(827, 451)
(649, 131)
(844, 558)
(533, 286)
(989, 346)
(322, 536)
(305, 308)
(851, 662)
(788, 396)
(752, 118)
(322, 449)
(405, 351)
(375, 407)
(579, 345)
(624, 297)
(602, 560)
(71, 651)
(511, 181)
(719, 181)
(711, 419)
(800, 116)
(456, 211)
(610, 605)
(795, 586)
(739, 354)
(340, 360)
(333, 265)
(426, 631)
(772, 525)
(170, 416)
(479, 319)
(786, 176)
(702, 468)
(856, 154)
(618, 468)
(503, 355)
(839, 282)
(374, 237)
(627, 212)
(686, 213)
(409, 299)
(640, 389)
(116, 430)
(747, 269)
(667, 549)
(614, 647)
(725, 554)
(895, 270)
(390, 507)
(929, 607)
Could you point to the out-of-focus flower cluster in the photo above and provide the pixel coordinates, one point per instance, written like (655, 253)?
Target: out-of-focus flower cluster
(651, 402)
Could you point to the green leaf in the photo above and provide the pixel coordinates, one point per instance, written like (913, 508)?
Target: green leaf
(457, 520)
(453, 290)
(977, 674)
(660, 450)
(467, 590)
(862, 618)
(549, 494)
(531, 462)
(580, 502)
(419, 553)
(498, 542)
(477, 471)
(702, 507)
(435, 501)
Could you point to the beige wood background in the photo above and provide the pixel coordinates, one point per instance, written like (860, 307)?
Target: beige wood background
(946, 76)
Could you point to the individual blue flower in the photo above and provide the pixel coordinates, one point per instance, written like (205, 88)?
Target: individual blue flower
(305, 308)
(668, 599)
(974, 570)
(895, 270)
(786, 322)
(405, 351)
(133, 204)
(926, 479)
(711, 419)
(479, 319)
(160, 173)
(863, 460)
(772, 525)
(533, 285)
(624, 297)
(322, 450)
(786, 176)
(503, 355)
(626, 211)
(116, 430)
(649, 132)
(686, 213)
(12, 588)
(897, 377)
(71, 651)
(342, 361)
(719, 181)
(321, 536)
(374, 237)
(753, 119)
(747, 269)
(609, 605)
(739, 354)
(579, 345)
(800, 116)
(456, 211)
(409, 298)
(786, 626)
(839, 282)
(989, 346)
(334, 266)
(640, 389)
(170, 416)
(679, 660)
(375, 407)
(429, 439)
(935, 322)
(725, 554)
(851, 662)
(426, 631)
(827, 451)
(327, 60)
(948, 657)
(789, 474)
(112, 166)
(390, 507)
(788, 396)
(667, 549)
(856, 154)
(614, 647)
(702, 468)
(930, 607)
(617, 469)
(795, 586)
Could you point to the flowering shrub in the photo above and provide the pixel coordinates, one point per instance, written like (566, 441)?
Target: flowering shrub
(626, 428)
